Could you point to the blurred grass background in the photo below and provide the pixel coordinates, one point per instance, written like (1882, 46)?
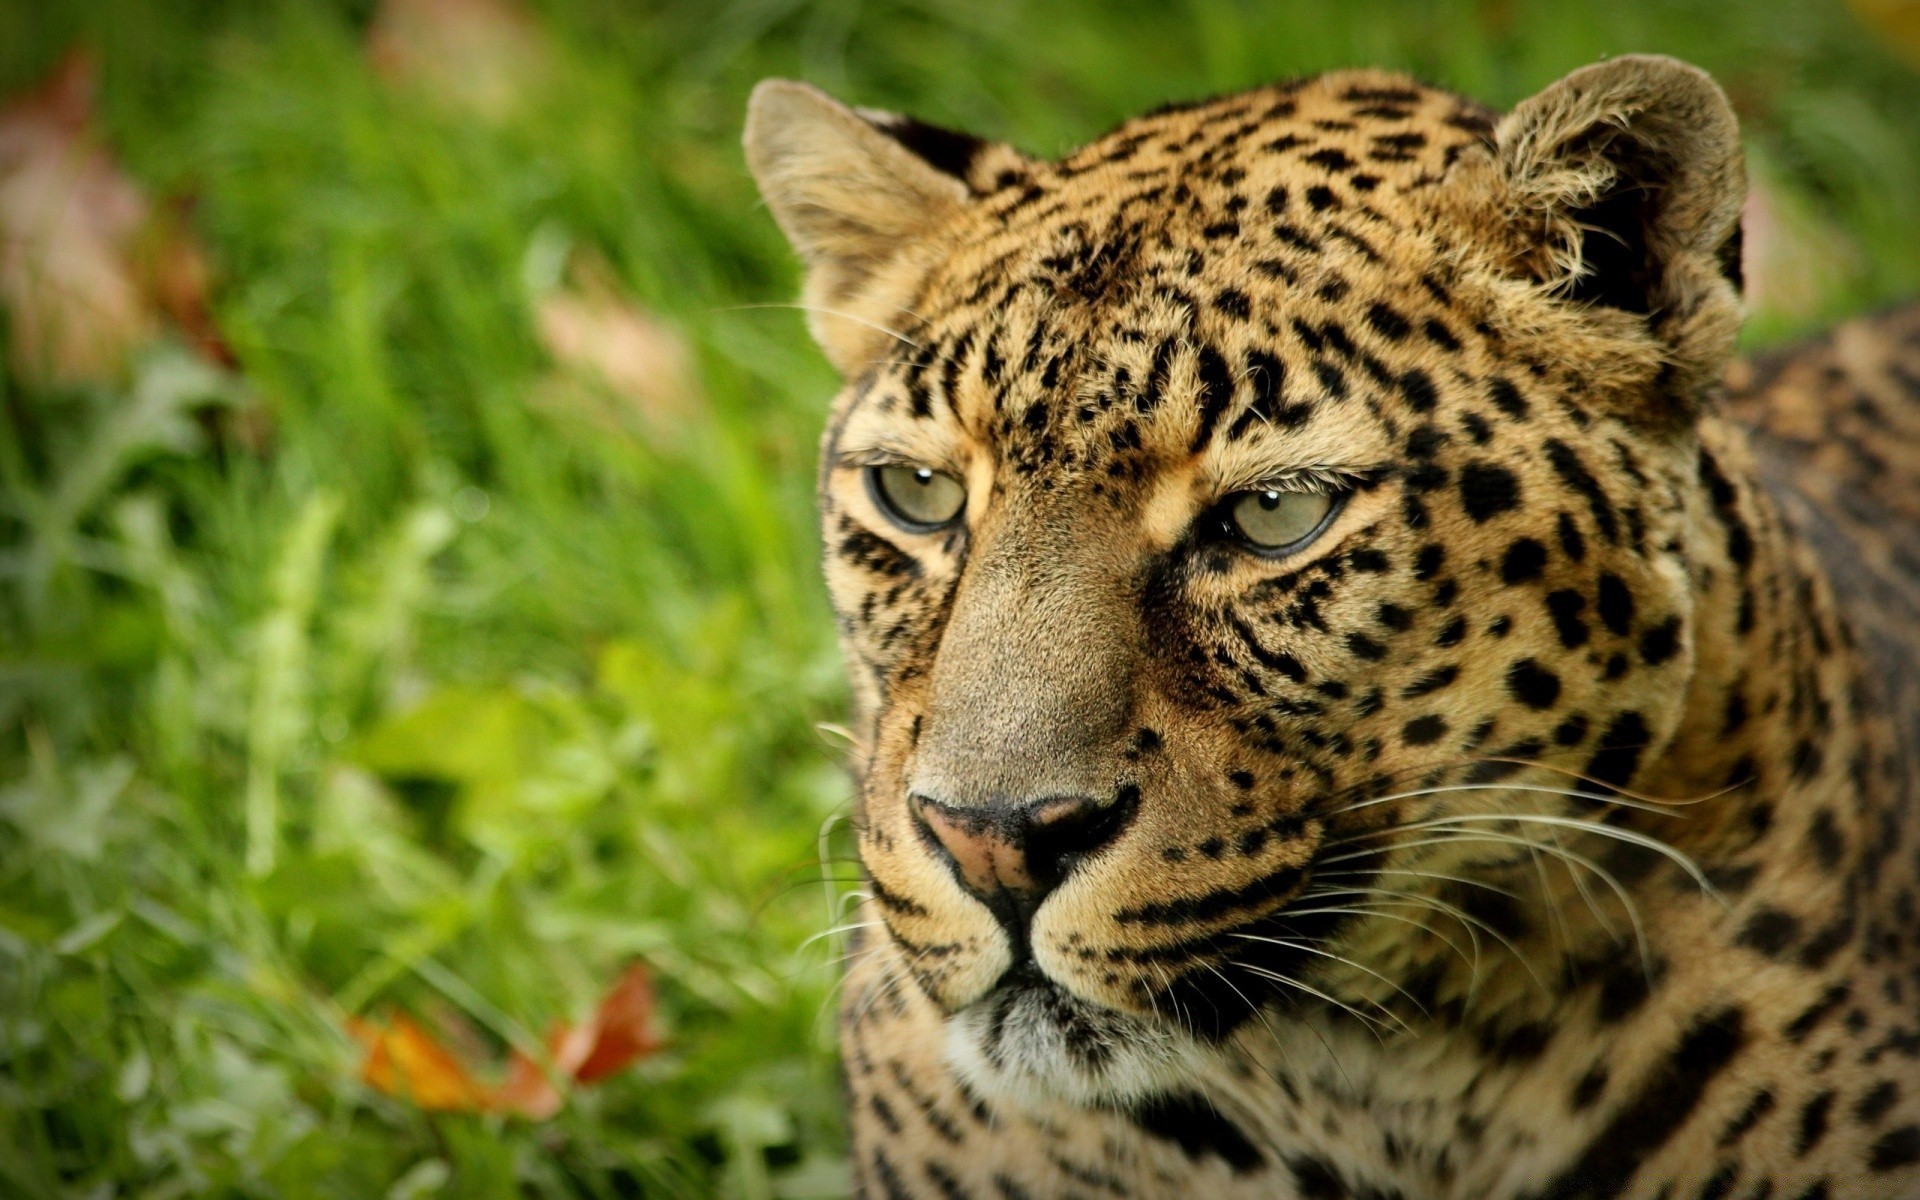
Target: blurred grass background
(435, 629)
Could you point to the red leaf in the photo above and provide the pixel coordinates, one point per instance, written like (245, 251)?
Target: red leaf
(623, 1031)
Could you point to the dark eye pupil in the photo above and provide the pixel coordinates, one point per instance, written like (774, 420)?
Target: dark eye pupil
(1269, 500)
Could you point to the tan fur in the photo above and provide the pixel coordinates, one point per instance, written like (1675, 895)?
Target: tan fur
(1538, 829)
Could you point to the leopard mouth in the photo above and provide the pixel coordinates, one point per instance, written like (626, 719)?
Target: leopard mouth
(1030, 1036)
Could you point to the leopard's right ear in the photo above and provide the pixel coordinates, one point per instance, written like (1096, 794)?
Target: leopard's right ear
(854, 190)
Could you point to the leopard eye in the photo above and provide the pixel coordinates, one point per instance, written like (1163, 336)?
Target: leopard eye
(917, 499)
(1277, 522)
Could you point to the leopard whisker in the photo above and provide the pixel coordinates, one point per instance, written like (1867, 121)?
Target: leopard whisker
(1473, 961)
(1372, 1023)
(1340, 958)
(1630, 836)
(1445, 789)
(1461, 915)
(1619, 890)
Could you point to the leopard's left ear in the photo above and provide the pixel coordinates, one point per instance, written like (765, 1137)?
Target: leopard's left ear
(1625, 181)
(857, 191)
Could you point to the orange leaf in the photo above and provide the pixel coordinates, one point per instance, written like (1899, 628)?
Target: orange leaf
(406, 1061)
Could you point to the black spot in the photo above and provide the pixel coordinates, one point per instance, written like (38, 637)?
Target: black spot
(1427, 563)
(1433, 681)
(1895, 1148)
(1524, 561)
(1320, 198)
(1589, 1088)
(1532, 684)
(1829, 846)
(1507, 398)
(1618, 755)
(1234, 303)
(1454, 633)
(1387, 323)
(1572, 731)
(1316, 1179)
(1616, 604)
(1487, 490)
(1575, 475)
(1719, 1183)
(1877, 1103)
(1331, 159)
(1660, 643)
(1393, 616)
(1424, 731)
(1216, 392)
(1757, 1108)
(1365, 647)
(1440, 335)
(1770, 931)
(1813, 1123)
(1193, 1124)
(1417, 386)
(1571, 539)
(1565, 607)
(1797, 1029)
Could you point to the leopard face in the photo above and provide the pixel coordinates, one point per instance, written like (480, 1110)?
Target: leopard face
(1249, 511)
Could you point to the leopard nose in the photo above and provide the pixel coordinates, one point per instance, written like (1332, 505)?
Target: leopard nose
(1022, 851)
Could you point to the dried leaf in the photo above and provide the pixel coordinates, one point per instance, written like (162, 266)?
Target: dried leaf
(178, 278)
(404, 1060)
(592, 329)
(479, 57)
(89, 269)
(68, 217)
(620, 1034)
(622, 1029)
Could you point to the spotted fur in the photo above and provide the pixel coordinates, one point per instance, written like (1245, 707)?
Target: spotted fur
(1544, 828)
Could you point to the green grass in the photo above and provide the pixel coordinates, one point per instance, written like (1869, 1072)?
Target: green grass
(447, 699)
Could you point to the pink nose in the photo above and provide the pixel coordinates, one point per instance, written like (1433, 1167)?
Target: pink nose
(1024, 849)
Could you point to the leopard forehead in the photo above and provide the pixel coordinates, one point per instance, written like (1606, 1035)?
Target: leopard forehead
(1255, 260)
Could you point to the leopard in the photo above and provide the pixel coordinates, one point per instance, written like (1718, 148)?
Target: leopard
(1356, 690)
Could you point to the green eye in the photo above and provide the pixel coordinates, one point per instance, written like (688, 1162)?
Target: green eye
(916, 498)
(1273, 521)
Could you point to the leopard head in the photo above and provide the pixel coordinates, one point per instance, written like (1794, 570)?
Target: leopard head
(1226, 519)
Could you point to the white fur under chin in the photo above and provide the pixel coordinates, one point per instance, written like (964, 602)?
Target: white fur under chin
(1044, 1044)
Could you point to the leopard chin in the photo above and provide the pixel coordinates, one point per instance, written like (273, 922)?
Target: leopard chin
(1029, 1038)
